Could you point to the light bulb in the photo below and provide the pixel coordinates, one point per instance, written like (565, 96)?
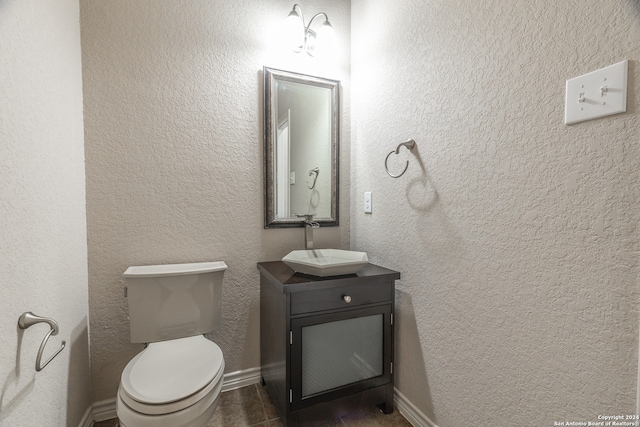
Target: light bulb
(325, 42)
(294, 31)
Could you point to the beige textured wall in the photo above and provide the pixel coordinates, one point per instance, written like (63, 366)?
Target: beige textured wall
(43, 247)
(516, 235)
(173, 122)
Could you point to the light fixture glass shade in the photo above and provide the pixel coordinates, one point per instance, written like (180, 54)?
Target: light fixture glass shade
(325, 42)
(294, 31)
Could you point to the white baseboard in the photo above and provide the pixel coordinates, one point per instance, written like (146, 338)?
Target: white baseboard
(410, 411)
(238, 379)
(87, 418)
(106, 409)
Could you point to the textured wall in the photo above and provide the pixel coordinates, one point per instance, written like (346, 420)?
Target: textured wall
(173, 123)
(516, 235)
(43, 248)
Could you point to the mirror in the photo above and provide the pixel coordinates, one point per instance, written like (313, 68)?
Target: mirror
(301, 115)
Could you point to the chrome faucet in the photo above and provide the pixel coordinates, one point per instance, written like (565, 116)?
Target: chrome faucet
(310, 224)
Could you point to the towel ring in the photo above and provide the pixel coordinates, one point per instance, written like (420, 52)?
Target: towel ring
(409, 144)
(29, 319)
(315, 171)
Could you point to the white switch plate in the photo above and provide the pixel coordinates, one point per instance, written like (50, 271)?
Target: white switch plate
(367, 202)
(597, 94)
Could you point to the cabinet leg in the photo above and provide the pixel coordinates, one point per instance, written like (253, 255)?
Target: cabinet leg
(386, 407)
(262, 381)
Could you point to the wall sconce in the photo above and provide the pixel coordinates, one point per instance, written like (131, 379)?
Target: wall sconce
(303, 38)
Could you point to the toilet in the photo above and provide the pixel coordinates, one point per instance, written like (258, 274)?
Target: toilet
(176, 380)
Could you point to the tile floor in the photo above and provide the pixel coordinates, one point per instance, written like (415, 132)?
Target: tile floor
(251, 406)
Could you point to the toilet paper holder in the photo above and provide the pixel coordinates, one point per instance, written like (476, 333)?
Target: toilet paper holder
(28, 319)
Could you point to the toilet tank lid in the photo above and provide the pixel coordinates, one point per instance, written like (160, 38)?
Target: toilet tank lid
(174, 269)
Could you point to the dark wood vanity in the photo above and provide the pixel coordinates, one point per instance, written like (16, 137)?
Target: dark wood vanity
(326, 343)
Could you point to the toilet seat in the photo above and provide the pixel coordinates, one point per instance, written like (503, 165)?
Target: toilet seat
(169, 376)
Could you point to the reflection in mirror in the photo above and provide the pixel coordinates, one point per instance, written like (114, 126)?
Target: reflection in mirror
(301, 149)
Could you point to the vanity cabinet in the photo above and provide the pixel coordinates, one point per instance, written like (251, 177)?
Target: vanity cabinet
(326, 343)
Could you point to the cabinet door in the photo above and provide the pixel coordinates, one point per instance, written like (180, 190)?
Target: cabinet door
(340, 353)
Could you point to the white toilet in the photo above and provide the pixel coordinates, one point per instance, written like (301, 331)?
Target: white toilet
(176, 380)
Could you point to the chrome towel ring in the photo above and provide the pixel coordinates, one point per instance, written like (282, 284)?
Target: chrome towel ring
(409, 144)
(315, 171)
(28, 319)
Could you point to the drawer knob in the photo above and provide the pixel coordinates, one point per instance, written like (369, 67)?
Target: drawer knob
(346, 298)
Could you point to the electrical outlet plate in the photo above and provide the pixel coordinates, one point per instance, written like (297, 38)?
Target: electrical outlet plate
(367, 202)
(597, 94)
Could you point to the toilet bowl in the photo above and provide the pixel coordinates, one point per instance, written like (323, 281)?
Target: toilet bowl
(176, 380)
(171, 384)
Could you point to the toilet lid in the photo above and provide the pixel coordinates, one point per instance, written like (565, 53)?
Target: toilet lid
(169, 371)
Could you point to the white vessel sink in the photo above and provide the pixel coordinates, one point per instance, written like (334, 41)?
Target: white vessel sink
(326, 262)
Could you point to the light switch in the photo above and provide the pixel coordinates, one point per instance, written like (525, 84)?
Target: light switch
(367, 202)
(597, 94)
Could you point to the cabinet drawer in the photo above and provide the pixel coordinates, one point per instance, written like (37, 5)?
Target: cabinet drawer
(329, 299)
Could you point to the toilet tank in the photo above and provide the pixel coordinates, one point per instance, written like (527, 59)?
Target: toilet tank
(174, 300)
